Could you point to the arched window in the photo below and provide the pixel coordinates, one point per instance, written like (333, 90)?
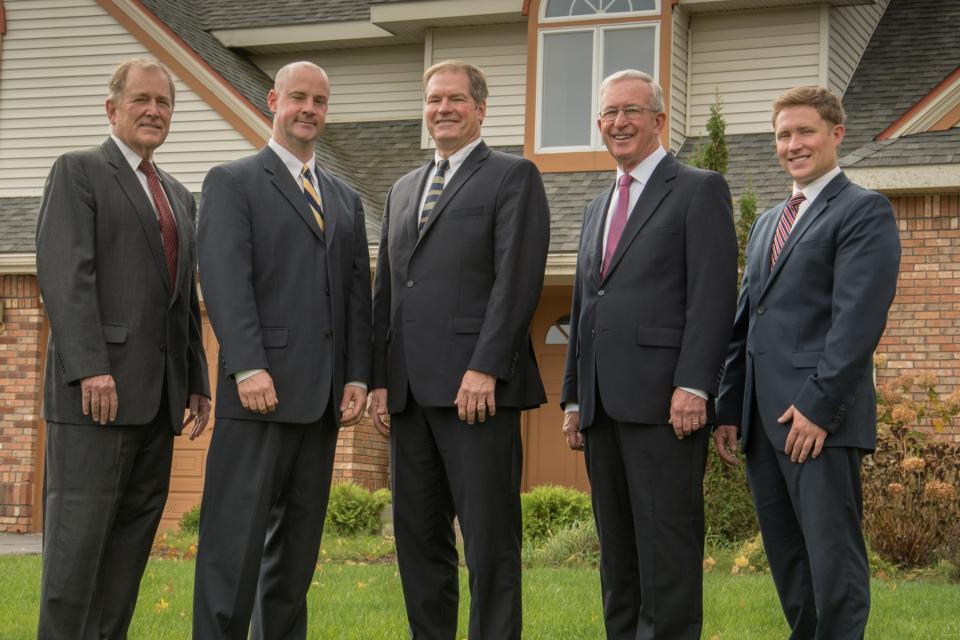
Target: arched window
(559, 331)
(570, 8)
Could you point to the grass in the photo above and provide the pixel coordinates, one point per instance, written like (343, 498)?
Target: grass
(356, 596)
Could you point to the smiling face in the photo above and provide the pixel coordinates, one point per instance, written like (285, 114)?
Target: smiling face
(452, 116)
(807, 145)
(140, 116)
(630, 140)
(299, 104)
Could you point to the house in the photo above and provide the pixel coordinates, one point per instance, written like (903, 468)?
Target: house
(894, 61)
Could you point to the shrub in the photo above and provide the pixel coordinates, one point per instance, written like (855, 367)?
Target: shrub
(911, 484)
(730, 515)
(190, 521)
(548, 508)
(575, 545)
(353, 510)
(750, 557)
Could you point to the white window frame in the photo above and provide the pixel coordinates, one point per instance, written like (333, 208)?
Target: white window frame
(596, 142)
(601, 16)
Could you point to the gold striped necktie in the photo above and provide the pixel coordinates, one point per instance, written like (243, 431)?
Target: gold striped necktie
(433, 193)
(313, 198)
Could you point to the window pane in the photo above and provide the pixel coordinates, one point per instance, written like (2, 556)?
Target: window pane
(629, 49)
(559, 331)
(567, 8)
(566, 93)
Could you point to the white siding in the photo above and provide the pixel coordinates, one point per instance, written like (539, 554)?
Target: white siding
(57, 59)
(850, 31)
(750, 58)
(501, 51)
(678, 79)
(377, 83)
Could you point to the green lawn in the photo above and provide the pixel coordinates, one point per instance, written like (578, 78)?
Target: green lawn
(351, 600)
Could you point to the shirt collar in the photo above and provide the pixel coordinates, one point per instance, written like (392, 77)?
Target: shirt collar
(815, 187)
(642, 172)
(132, 157)
(456, 159)
(293, 163)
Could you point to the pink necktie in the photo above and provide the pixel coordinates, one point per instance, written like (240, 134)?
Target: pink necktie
(618, 223)
(787, 218)
(168, 228)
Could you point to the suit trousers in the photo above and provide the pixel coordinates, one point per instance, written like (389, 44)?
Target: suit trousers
(441, 468)
(105, 489)
(647, 493)
(810, 517)
(261, 519)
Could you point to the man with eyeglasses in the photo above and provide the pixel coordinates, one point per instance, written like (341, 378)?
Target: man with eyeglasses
(652, 312)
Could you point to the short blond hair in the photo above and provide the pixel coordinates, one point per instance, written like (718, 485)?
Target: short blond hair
(478, 81)
(826, 103)
(118, 81)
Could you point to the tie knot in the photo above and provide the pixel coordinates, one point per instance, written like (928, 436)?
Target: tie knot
(305, 173)
(796, 199)
(147, 167)
(625, 180)
(442, 166)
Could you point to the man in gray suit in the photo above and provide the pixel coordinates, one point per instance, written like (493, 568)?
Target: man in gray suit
(116, 266)
(821, 274)
(286, 278)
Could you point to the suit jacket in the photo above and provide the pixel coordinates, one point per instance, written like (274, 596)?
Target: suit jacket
(806, 331)
(281, 294)
(460, 294)
(107, 290)
(661, 317)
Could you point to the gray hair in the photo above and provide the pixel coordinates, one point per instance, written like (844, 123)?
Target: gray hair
(284, 73)
(118, 81)
(656, 93)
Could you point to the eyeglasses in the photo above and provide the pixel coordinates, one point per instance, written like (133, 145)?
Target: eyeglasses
(629, 112)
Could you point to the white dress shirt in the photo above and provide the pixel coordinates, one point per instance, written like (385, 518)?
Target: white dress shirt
(133, 159)
(456, 159)
(812, 190)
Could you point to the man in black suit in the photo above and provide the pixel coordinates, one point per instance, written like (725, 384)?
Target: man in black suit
(286, 277)
(651, 316)
(460, 268)
(820, 276)
(116, 267)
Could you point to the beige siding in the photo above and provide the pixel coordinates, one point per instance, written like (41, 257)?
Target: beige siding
(378, 83)
(850, 31)
(750, 58)
(678, 79)
(501, 51)
(57, 58)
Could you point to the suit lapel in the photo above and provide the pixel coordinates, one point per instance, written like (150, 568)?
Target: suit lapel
(132, 188)
(331, 203)
(597, 224)
(653, 194)
(183, 233)
(765, 238)
(460, 178)
(288, 187)
(412, 207)
(816, 208)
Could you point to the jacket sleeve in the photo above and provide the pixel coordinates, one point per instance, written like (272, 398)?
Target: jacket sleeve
(382, 302)
(358, 311)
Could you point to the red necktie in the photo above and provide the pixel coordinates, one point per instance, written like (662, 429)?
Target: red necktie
(168, 228)
(618, 222)
(787, 218)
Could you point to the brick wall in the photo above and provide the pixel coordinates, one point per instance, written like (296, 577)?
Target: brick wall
(923, 329)
(363, 456)
(21, 329)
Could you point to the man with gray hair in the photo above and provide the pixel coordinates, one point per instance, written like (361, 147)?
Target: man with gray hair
(652, 312)
(125, 357)
(286, 279)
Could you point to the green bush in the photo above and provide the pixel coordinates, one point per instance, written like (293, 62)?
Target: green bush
(190, 521)
(353, 510)
(575, 545)
(730, 515)
(548, 508)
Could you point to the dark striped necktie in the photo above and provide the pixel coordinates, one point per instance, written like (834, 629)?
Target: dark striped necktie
(787, 218)
(313, 198)
(433, 192)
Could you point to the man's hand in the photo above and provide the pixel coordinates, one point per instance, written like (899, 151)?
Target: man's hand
(99, 398)
(199, 414)
(352, 404)
(377, 410)
(475, 399)
(725, 437)
(257, 393)
(804, 436)
(571, 430)
(688, 412)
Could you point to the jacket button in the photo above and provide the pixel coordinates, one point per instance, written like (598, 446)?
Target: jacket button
(163, 348)
(409, 283)
(328, 334)
(593, 333)
(601, 292)
(761, 309)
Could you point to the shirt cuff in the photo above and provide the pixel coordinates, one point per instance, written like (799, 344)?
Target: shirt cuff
(571, 407)
(357, 383)
(696, 392)
(240, 376)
